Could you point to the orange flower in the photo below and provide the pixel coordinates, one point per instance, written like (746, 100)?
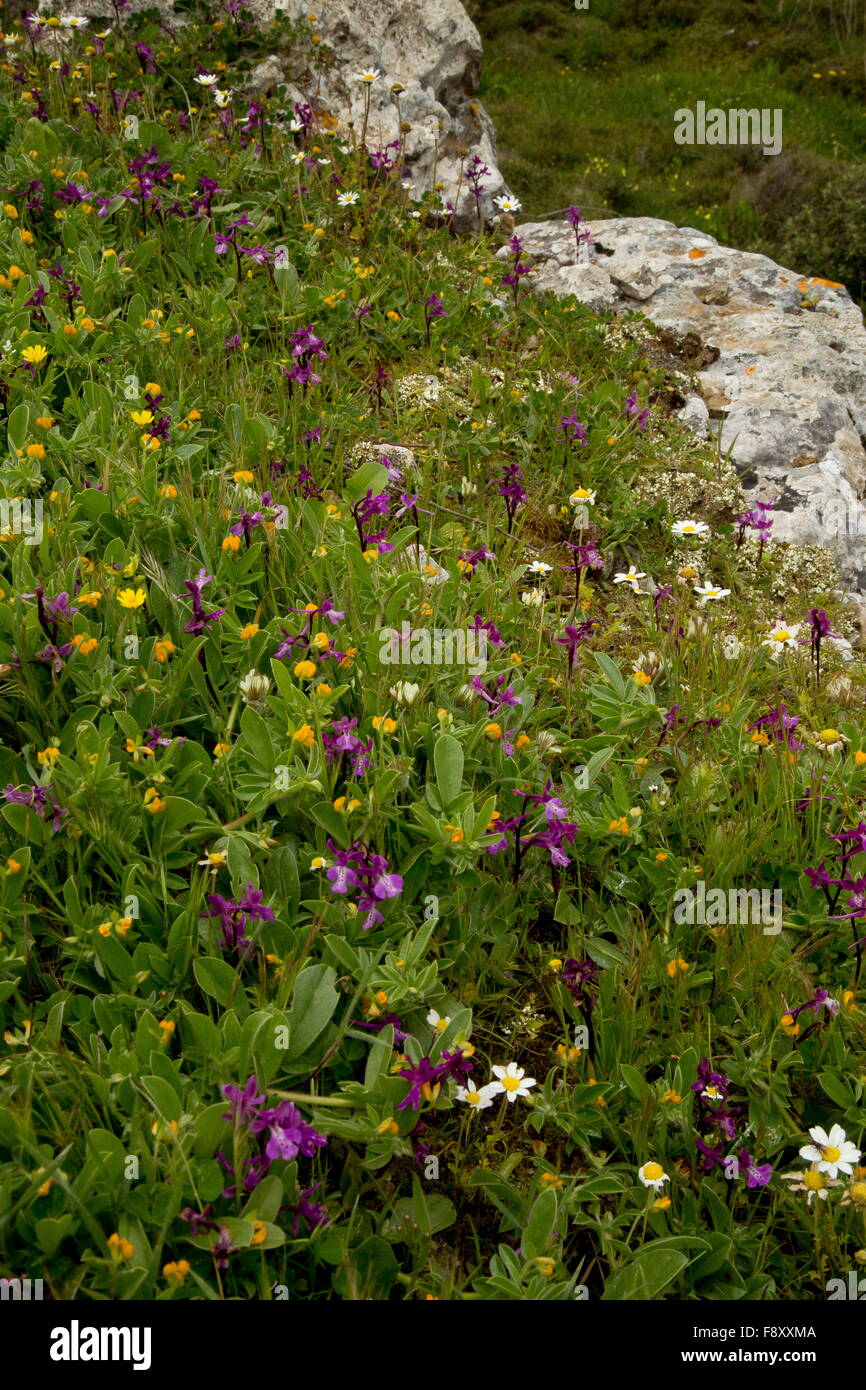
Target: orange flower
(120, 1249)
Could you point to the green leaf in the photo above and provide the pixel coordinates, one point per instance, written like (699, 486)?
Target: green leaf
(257, 737)
(178, 813)
(136, 311)
(280, 878)
(539, 1227)
(203, 1032)
(18, 425)
(653, 1268)
(25, 822)
(633, 1079)
(421, 1216)
(565, 911)
(369, 1273)
(369, 477)
(163, 1097)
(51, 1230)
(210, 1130)
(614, 675)
(448, 765)
(313, 1004)
(218, 979)
(265, 1203)
(836, 1090)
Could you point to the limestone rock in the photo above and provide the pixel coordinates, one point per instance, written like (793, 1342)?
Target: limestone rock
(780, 363)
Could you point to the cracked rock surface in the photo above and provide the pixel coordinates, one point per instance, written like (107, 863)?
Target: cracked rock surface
(781, 374)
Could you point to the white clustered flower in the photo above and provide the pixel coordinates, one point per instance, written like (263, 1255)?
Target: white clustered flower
(406, 692)
(254, 688)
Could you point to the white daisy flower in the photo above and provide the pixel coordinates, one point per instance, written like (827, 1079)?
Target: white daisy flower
(631, 577)
(207, 79)
(831, 1153)
(368, 75)
(782, 635)
(830, 740)
(582, 497)
(437, 1022)
(690, 528)
(653, 1175)
(513, 1081)
(811, 1182)
(508, 204)
(539, 567)
(347, 200)
(222, 98)
(709, 592)
(532, 598)
(476, 1100)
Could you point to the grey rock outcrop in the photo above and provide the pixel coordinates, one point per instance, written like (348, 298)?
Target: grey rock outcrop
(780, 363)
(433, 51)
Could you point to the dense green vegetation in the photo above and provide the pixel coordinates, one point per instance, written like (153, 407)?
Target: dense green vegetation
(338, 969)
